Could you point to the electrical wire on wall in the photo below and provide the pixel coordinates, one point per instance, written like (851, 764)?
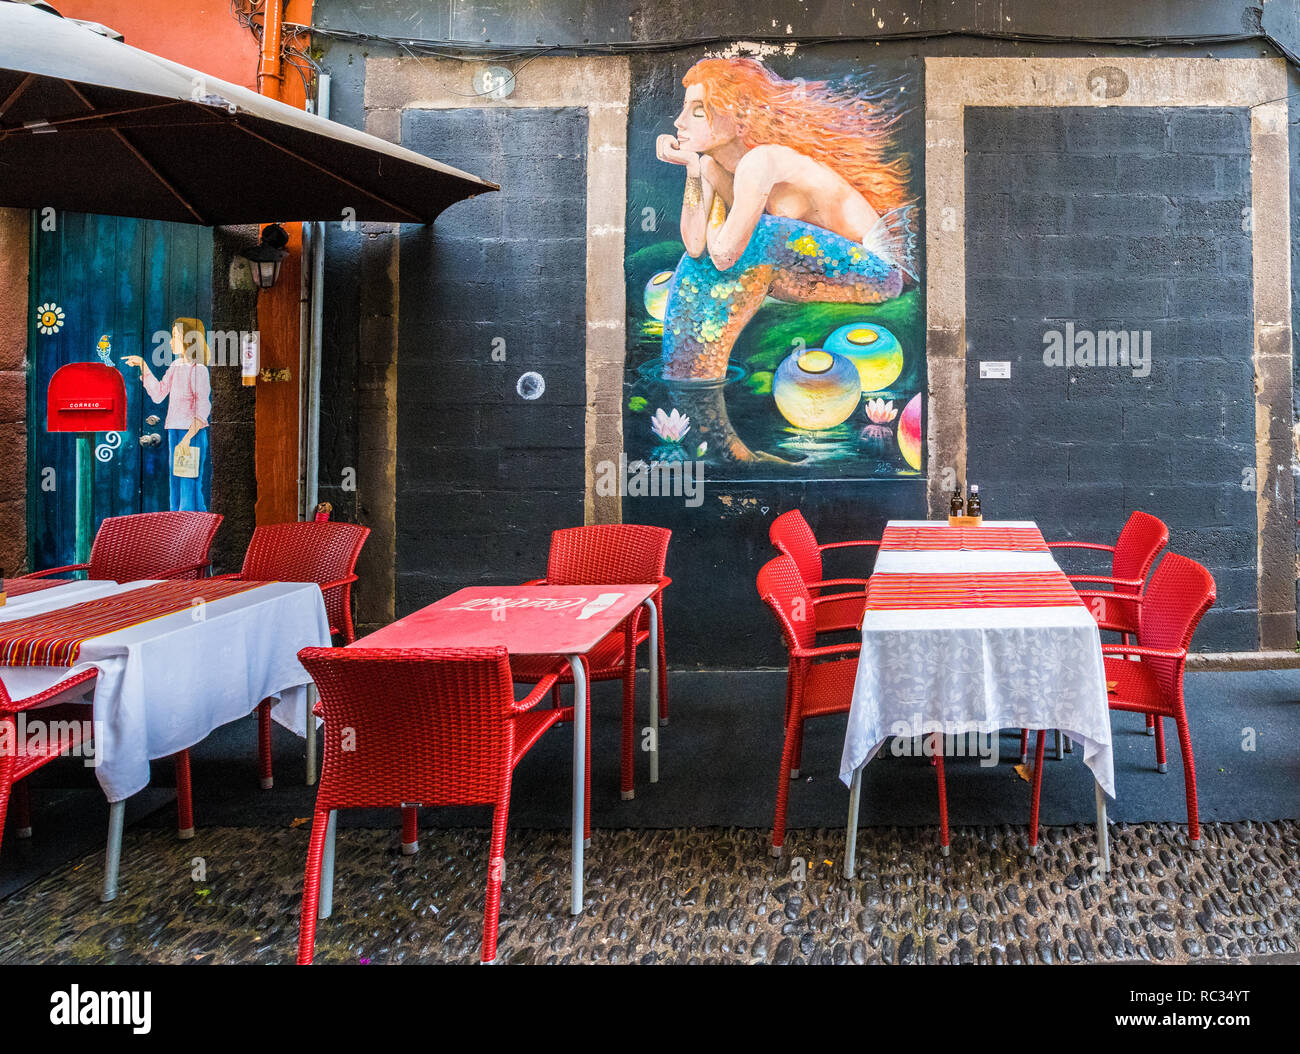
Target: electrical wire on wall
(251, 14)
(472, 50)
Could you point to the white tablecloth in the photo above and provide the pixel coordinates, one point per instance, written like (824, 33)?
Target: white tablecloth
(167, 683)
(70, 592)
(978, 669)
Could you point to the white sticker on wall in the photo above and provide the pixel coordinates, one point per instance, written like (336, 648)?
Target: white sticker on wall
(997, 371)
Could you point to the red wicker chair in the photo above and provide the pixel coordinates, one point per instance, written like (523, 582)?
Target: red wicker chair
(427, 727)
(609, 554)
(1180, 593)
(318, 551)
(791, 534)
(1139, 543)
(148, 545)
(813, 689)
(66, 722)
(1132, 555)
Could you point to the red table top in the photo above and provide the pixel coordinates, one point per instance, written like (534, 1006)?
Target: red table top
(528, 620)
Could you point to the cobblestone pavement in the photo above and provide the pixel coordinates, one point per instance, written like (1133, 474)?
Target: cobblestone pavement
(694, 895)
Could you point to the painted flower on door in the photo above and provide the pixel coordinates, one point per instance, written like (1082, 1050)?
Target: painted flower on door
(49, 318)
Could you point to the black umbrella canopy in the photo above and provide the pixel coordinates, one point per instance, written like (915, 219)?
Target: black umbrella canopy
(90, 124)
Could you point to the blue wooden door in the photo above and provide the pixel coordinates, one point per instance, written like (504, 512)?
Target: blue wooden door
(126, 280)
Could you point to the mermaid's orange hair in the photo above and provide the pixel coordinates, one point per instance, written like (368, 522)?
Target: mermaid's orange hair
(849, 132)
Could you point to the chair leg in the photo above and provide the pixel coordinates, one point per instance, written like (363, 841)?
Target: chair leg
(1151, 724)
(1189, 780)
(792, 730)
(265, 776)
(627, 769)
(410, 830)
(184, 798)
(586, 768)
(8, 761)
(556, 700)
(1024, 745)
(663, 669)
(496, 869)
(1162, 762)
(943, 793)
(22, 810)
(797, 762)
(311, 887)
(1040, 741)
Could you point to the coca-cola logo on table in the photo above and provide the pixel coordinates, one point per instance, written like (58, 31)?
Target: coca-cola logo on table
(590, 605)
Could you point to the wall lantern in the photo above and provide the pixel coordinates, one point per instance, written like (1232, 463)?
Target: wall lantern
(264, 259)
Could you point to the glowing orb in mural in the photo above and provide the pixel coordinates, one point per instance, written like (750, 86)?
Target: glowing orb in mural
(49, 318)
(872, 349)
(656, 294)
(909, 432)
(816, 389)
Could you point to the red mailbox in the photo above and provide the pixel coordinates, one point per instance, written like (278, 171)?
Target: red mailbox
(86, 397)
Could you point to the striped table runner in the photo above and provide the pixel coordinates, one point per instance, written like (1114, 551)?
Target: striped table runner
(900, 592)
(1017, 539)
(17, 587)
(54, 638)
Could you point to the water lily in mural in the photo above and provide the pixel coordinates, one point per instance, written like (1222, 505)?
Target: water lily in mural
(671, 429)
(49, 318)
(880, 412)
(878, 437)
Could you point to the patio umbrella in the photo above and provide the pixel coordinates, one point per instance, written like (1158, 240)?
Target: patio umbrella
(90, 124)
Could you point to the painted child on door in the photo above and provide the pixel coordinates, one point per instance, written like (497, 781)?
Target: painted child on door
(187, 388)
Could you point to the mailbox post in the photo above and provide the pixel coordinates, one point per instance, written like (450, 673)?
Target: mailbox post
(85, 398)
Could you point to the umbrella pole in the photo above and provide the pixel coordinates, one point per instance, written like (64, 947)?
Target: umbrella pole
(85, 483)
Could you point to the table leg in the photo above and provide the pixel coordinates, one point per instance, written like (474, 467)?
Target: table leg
(326, 903)
(1103, 836)
(851, 834)
(113, 853)
(654, 690)
(310, 694)
(579, 777)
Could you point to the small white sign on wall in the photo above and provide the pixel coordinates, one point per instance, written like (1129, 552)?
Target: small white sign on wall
(997, 371)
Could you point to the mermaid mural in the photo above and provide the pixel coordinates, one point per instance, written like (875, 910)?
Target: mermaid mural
(793, 195)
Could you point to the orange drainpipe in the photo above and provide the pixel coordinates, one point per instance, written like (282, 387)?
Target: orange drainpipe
(279, 308)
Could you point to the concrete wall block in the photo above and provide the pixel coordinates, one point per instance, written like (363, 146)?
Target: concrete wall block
(1145, 212)
(1204, 131)
(1110, 131)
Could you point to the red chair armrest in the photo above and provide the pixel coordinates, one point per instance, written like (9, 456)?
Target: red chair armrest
(1138, 649)
(1106, 594)
(828, 597)
(57, 570)
(341, 582)
(539, 690)
(837, 582)
(176, 572)
(1081, 545)
(1106, 580)
(230, 576)
(845, 545)
(52, 692)
(534, 582)
(829, 649)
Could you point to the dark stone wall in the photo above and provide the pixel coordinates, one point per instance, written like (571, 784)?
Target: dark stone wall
(484, 474)
(1117, 219)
